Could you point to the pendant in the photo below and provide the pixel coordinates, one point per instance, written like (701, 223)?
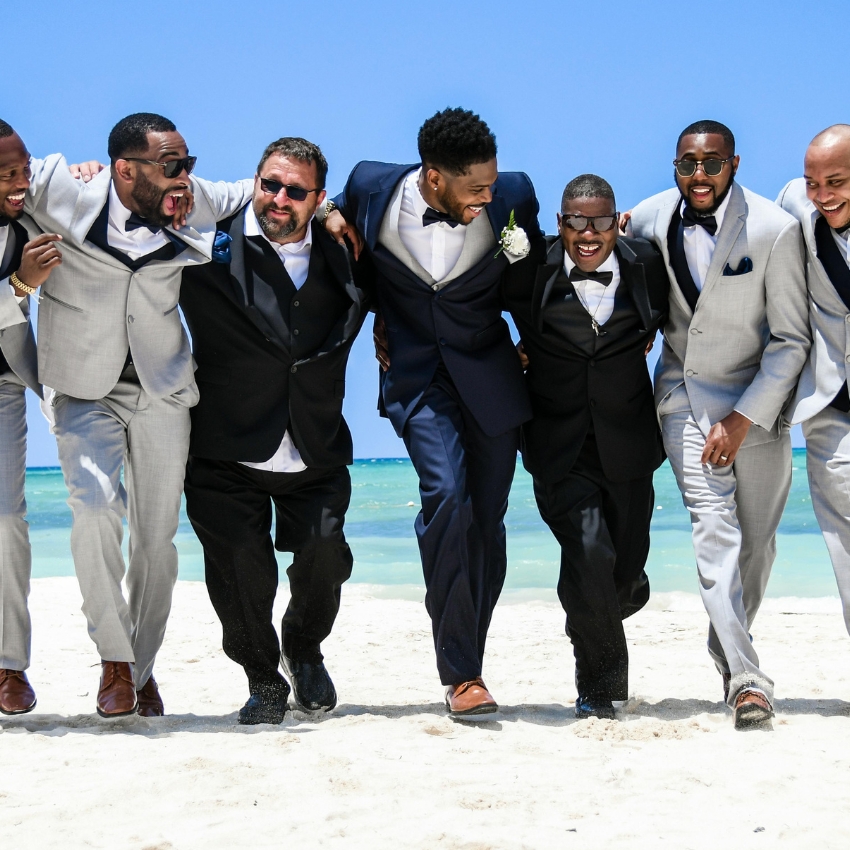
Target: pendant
(595, 325)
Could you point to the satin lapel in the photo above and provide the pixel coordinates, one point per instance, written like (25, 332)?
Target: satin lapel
(632, 275)
(377, 205)
(663, 217)
(733, 223)
(811, 246)
(91, 202)
(498, 214)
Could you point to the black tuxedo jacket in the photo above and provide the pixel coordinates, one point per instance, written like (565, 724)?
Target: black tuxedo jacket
(253, 384)
(570, 390)
(461, 325)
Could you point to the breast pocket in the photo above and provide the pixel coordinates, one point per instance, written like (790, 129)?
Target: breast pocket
(55, 300)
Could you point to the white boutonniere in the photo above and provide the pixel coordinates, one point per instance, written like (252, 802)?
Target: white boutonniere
(514, 242)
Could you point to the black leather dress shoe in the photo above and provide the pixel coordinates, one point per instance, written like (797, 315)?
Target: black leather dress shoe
(267, 704)
(311, 685)
(592, 707)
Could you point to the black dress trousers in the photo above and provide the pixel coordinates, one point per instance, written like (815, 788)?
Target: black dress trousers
(230, 508)
(603, 529)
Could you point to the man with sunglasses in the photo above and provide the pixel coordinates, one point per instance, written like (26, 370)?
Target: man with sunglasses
(587, 311)
(273, 319)
(113, 348)
(735, 341)
(453, 386)
(821, 201)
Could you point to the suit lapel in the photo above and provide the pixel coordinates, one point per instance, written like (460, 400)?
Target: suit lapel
(477, 243)
(663, 217)
(811, 245)
(378, 204)
(733, 223)
(633, 278)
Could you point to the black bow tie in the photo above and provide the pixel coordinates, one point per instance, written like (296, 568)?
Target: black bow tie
(136, 221)
(432, 216)
(839, 230)
(691, 218)
(576, 274)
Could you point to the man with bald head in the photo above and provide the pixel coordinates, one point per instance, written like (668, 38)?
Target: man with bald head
(821, 201)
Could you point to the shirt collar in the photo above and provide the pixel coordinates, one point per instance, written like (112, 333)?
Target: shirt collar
(718, 214)
(610, 265)
(252, 228)
(118, 213)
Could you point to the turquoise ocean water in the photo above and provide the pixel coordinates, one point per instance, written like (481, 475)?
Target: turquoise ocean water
(379, 529)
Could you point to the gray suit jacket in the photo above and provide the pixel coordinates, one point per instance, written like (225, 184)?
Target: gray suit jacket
(828, 366)
(16, 338)
(479, 239)
(94, 307)
(744, 346)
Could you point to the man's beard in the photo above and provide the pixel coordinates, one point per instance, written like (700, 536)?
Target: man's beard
(452, 205)
(718, 199)
(278, 230)
(148, 198)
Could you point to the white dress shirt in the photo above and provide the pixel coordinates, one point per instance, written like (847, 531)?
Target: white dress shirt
(295, 257)
(134, 243)
(7, 245)
(700, 244)
(437, 247)
(595, 297)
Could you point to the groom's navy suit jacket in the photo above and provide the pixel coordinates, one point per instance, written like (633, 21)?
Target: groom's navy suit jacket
(460, 325)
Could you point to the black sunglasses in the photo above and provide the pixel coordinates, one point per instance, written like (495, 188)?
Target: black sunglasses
(172, 167)
(710, 167)
(599, 223)
(294, 193)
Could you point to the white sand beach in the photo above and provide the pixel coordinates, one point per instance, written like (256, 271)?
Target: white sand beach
(388, 769)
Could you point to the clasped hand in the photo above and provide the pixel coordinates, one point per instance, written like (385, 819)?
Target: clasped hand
(725, 438)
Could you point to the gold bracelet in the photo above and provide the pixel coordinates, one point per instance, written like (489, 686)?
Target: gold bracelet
(19, 284)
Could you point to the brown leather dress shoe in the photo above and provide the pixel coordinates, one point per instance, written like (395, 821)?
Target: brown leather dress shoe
(16, 693)
(150, 702)
(117, 694)
(470, 699)
(752, 708)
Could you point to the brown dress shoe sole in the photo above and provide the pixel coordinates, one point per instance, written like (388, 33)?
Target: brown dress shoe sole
(19, 711)
(472, 713)
(109, 716)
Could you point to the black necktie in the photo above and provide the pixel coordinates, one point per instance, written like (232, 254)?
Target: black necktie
(432, 216)
(136, 221)
(690, 218)
(576, 274)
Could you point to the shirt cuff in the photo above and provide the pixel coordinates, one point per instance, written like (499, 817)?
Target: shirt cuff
(751, 421)
(19, 298)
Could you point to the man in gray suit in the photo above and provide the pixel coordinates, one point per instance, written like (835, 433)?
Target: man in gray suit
(821, 201)
(24, 266)
(113, 348)
(734, 344)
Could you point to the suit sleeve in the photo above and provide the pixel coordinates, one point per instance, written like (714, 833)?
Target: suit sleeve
(780, 200)
(52, 191)
(346, 200)
(532, 229)
(215, 201)
(788, 323)
(12, 312)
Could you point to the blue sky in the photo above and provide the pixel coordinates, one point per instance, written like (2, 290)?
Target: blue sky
(567, 88)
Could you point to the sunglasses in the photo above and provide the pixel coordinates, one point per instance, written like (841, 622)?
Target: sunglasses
(710, 167)
(599, 223)
(171, 168)
(294, 193)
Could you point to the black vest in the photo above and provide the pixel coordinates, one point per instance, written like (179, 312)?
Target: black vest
(301, 319)
(566, 315)
(12, 264)
(838, 272)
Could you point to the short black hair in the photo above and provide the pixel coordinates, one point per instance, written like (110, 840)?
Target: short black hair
(587, 186)
(130, 134)
(5, 129)
(297, 148)
(699, 128)
(455, 139)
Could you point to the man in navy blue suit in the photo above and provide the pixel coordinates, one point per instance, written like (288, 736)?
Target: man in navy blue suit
(439, 235)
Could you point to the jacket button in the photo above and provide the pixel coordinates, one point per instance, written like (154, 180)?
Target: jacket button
(130, 319)
(296, 303)
(296, 332)
(294, 369)
(442, 342)
(694, 331)
(690, 373)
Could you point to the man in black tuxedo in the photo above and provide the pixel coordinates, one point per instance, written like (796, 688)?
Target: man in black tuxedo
(453, 389)
(587, 314)
(273, 319)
